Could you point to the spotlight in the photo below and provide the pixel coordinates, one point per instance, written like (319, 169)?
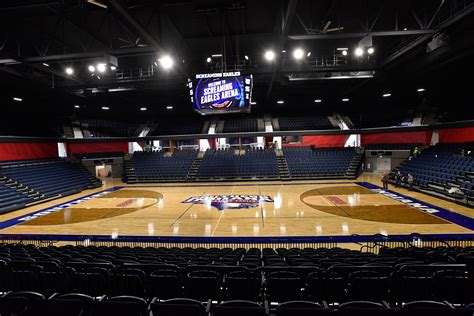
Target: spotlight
(280, 102)
(113, 68)
(143, 109)
(91, 68)
(17, 99)
(386, 95)
(269, 55)
(101, 67)
(318, 101)
(169, 107)
(308, 54)
(359, 52)
(420, 90)
(370, 51)
(246, 57)
(209, 59)
(77, 106)
(69, 71)
(298, 53)
(166, 62)
(344, 52)
(105, 108)
(345, 100)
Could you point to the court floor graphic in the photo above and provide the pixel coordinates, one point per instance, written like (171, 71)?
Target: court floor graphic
(241, 210)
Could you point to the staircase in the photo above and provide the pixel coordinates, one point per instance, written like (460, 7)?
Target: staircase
(95, 182)
(193, 170)
(351, 172)
(282, 165)
(129, 172)
(32, 194)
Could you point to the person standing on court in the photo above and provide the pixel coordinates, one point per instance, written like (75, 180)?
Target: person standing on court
(410, 181)
(385, 179)
(398, 178)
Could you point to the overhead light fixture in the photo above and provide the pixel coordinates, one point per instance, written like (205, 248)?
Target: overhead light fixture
(386, 95)
(77, 106)
(405, 29)
(105, 108)
(370, 51)
(69, 71)
(345, 100)
(101, 67)
(359, 52)
(308, 54)
(216, 55)
(253, 102)
(344, 52)
(342, 48)
(280, 102)
(169, 107)
(420, 90)
(269, 55)
(246, 57)
(318, 101)
(17, 99)
(113, 68)
(45, 64)
(298, 53)
(91, 68)
(209, 59)
(143, 109)
(166, 62)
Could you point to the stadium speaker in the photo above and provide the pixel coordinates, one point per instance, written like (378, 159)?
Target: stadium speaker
(439, 40)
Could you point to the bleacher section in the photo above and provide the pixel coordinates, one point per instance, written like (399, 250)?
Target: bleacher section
(231, 164)
(311, 163)
(389, 117)
(240, 125)
(42, 179)
(445, 170)
(224, 281)
(301, 123)
(108, 128)
(160, 166)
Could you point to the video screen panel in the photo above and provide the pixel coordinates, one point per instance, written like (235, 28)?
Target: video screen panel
(221, 93)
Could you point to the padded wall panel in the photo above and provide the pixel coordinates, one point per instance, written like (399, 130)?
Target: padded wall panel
(84, 148)
(456, 135)
(419, 137)
(19, 151)
(322, 141)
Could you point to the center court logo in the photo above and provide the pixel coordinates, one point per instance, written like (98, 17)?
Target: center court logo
(229, 202)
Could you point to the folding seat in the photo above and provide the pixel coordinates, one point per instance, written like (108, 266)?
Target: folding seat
(242, 285)
(179, 307)
(164, 284)
(302, 308)
(74, 304)
(364, 308)
(453, 286)
(203, 285)
(282, 286)
(127, 282)
(411, 286)
(430, 308)
(92, 281)
(120, 306)
(16, 303)
(238, 308)
(368, 285)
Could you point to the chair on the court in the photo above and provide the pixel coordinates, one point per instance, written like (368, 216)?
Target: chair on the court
(368, 285)
(282, 286)
(302, 308)
(16, 303)
(127, 282)
(430, 308)
(239, 308)
(179, 307)
(453, 286)
(75, 305)
(93, 281)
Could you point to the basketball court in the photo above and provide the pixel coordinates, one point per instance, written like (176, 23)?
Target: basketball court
(267, 209)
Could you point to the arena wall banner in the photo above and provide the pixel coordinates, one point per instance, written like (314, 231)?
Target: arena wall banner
(19, 151)
(456, 135)
(84, 148)
(417, 137)
(321, 141)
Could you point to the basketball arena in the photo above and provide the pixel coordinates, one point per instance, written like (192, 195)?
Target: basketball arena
(232, 157)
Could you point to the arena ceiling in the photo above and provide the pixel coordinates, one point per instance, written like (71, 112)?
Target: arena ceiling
(416, 43)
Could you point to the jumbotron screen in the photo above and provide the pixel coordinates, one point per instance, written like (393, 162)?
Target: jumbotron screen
(221, 93)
